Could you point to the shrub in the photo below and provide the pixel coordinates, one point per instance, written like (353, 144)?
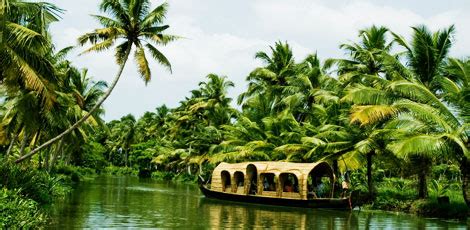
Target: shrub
(446, 171)
(34, 184)
(91, 156)
(19, 212)
(113, 170)
(430, 207)
(185, 177)
(163, 175)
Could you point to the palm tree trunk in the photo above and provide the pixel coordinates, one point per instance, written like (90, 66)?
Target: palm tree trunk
(40, 160)
(465, 171)
(83, 119)
(424, 165)
(125, 157)
(422, 185)
(12, 142)
(335, 168)
(370, 184)
(23, 143)
(46, 159)
(57, 152)
(36, 140)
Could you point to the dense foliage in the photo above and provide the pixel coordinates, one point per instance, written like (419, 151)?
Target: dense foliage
(392, 108)
(24, 190)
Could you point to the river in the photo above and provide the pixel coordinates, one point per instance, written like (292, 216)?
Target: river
(130, 202)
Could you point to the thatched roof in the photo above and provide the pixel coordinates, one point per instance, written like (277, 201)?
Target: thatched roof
(275, 167)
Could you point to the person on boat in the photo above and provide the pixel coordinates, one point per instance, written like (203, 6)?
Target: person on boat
(252, 187)
(288, 187)
(311, 188)
(320, 187)
(266, 184)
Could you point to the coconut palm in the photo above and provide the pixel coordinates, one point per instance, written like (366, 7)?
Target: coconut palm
(24, 45)
(310, 93)
(427, 53)
(132, 24)
(366, 58)
(268, 81)
(421, 124)
(364, 66)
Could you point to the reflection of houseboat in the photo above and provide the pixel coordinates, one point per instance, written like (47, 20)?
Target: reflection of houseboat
(219, 214)
(278, 183)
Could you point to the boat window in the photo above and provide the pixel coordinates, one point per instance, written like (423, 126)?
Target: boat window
(269, 183)
(225, 181)
(239, 179)
(252, 174)
(289, 182)
(319, 187)
(320, 182)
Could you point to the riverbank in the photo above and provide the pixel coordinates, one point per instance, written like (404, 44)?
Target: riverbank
(25, 191)
(399, 195)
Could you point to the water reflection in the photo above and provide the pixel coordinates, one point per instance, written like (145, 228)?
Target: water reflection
(235, 215)
(121, 202)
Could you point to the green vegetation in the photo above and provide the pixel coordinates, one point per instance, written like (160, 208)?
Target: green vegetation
(49, 108)
(393, 112)
(19, 212)
(24, 190)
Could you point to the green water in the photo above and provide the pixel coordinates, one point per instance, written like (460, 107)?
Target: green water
(130, 202)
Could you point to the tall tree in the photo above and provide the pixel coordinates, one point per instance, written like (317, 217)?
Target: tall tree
(132, 24)
(24, 45)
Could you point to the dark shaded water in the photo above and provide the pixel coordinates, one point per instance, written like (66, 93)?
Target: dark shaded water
(130, 202)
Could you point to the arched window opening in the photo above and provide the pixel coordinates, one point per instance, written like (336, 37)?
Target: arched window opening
(289, 182)
(252, 174)
(239, 181)
(320, 182)
(226, 183)
(269, 183)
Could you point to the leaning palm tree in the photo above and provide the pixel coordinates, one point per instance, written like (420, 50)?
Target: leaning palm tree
(132, 24)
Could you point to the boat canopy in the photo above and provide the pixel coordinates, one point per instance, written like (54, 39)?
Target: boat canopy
(239, 177)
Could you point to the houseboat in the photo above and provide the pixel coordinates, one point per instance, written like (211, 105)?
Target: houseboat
(309, 185)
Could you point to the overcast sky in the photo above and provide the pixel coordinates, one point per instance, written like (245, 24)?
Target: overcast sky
(222, 37)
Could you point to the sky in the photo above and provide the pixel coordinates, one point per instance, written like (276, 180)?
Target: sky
(222, 37)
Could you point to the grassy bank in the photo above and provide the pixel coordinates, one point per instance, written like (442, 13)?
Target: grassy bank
(176, 177)
(24, 191)
(120, 171)
(399, 195)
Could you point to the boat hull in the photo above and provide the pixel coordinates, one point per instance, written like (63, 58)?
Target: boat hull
(329, 203)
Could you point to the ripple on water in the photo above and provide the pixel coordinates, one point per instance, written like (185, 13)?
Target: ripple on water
(127, 202)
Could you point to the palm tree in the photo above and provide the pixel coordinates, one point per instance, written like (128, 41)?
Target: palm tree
(420, 124)
(366, 62)
(134, 25)
(268, 81)
(214, 101)
(385, 98)
(366, 67)
(427, 54)
(24, 44)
